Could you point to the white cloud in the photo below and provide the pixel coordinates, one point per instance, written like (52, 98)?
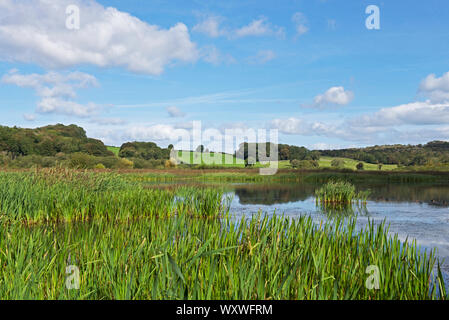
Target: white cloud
(29, 117)
(175, 112)
(259, 27)
(212, 55)
(35, 32)
(416, 113)
(332, 24)
(263, 56)
(394, 124)
(56, 91)
(109, 121)
(158, 132)
(211, 26)
(324, 146)
(300, 22)
(437, 89)
(333, 96)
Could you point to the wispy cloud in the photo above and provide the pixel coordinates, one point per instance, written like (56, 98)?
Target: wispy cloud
(262, 56)
(175, 112)
(301, 24)
(227, 97)
(212, 27)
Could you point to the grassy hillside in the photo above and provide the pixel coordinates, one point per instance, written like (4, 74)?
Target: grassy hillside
(230, 160)
(220, 159)
(114, 150)
(325, 162)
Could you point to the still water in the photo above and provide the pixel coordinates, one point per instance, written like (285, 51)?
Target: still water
(413, 211)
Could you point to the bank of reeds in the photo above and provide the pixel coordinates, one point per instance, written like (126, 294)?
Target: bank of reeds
(56, 195)
(131, 242)
(340, 193)
(184, 258)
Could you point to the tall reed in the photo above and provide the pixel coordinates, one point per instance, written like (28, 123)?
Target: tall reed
(64, 196)
(340, 192)
(185, 258)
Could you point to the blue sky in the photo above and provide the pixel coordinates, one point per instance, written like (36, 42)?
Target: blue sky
(140, 70)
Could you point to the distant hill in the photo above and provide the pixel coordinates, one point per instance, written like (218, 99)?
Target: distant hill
(407, 155)
(49, 141)
(69, 145)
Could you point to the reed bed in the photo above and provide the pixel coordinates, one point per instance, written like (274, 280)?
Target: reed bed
(340, 193)
(185, 258)
(58, 195)
(132, 242)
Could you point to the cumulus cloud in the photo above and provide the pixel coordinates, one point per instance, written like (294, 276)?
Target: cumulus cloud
(158, 132)
(335, 96)
(437, 89)
(175, 112)
(211, 26)
(56, 91)
(35, 32)
(415, 113)
(324, 146)
(300, 21)
(342, 130)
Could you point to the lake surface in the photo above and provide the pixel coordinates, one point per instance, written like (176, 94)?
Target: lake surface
(413, 211)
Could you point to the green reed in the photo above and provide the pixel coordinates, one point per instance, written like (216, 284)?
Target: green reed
(185, 258)
(63, 196)
(340, 193)
(134, 242)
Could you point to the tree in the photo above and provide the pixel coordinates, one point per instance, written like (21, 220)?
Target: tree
(360, 166)
(284, 153)
(295, 163)
(304, 164)
(200, 148)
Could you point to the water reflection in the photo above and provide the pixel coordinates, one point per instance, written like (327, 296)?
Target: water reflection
(434, 195)
(345, 210)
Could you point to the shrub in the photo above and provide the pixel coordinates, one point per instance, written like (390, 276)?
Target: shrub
(360, 166)
(124, 164)
(100, 166)
(81, 160)
(338, 163)
(295, 163)
(304, 164)
(170, 163)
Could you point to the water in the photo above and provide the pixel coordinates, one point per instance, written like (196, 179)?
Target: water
(414, 211)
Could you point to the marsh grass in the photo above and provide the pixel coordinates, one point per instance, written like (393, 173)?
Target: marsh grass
(58, 195)
(340, 193)
(131, 242)
(183, 258)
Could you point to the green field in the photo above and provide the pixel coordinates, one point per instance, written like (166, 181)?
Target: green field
(229, 160)
(325, 162)
(115, 150)
(212, 158)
